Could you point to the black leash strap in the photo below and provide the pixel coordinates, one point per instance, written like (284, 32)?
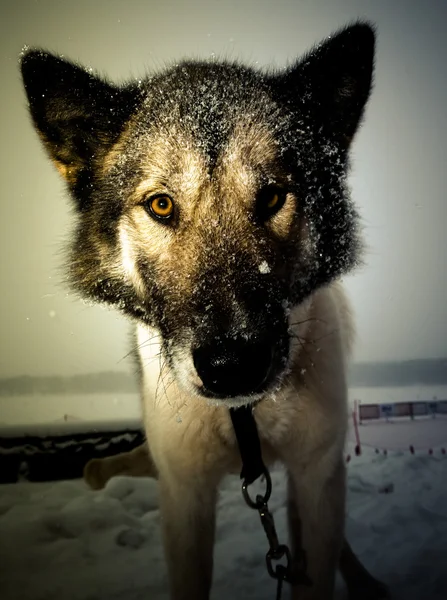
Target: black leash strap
(247, 437)
(253, 467)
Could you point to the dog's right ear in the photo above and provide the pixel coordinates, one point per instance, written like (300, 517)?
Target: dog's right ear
(77, 114)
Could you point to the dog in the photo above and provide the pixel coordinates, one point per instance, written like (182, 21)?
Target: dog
(214, 212)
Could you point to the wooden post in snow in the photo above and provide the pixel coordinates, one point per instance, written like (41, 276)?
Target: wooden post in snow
(358, 447)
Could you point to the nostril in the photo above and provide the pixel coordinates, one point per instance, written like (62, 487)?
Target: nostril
(233, 367)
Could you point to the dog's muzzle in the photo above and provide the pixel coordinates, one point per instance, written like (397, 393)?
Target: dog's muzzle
(235, 367)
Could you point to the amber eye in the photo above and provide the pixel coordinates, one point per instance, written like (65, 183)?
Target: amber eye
(273, 201)
(160, 207)
(270, 200)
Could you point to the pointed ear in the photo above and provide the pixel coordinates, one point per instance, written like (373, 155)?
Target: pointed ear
(333, 82)
(77, 115)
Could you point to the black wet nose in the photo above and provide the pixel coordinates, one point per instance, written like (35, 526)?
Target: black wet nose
(233, 367)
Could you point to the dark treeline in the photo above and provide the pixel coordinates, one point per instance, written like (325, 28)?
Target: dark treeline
(386, 374)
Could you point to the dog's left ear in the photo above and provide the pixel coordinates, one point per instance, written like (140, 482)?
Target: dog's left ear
(77, 115)
(333, 82)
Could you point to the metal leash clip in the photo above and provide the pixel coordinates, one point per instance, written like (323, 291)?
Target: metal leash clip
(277, 551)
(253, 468)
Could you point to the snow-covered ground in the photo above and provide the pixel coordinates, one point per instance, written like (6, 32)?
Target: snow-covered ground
(61, 540)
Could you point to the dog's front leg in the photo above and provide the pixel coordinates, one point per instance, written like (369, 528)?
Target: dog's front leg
(316, 505)
(188, 508)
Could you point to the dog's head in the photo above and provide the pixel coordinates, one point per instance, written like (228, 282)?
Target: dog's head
(211, 198)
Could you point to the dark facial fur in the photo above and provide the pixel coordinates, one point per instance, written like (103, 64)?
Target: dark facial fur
(219, 140)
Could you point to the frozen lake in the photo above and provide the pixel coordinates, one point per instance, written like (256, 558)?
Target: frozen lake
(77, 412)
(380, 395)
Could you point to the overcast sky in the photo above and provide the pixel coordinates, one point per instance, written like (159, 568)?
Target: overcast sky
(399, 176)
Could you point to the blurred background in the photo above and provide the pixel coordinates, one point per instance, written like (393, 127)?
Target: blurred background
(398, 177)
(63, 366)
